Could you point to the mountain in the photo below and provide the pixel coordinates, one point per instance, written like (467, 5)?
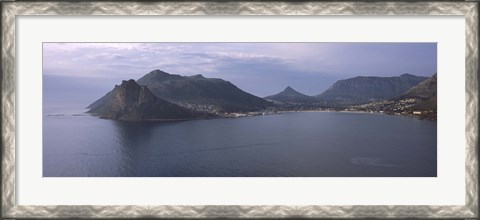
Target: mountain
(419, 101)
(200, 93)
(290, 96)
(132, 102)
(426, 93)
(363, 89)
(424, 90)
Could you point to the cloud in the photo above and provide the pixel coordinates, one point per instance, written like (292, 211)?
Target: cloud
(249, 65)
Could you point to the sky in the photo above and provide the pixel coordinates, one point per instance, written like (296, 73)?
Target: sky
(258, 68)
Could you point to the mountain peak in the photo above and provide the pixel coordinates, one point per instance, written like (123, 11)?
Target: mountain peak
(407, 75)
(157, 71)
(156, 76)
(289, 89)
(290, 95)
(129, 83)
(198, 76)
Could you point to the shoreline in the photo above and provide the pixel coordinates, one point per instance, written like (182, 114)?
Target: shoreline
(235, 115)
(344, 111)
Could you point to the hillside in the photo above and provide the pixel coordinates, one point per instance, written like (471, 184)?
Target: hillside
(132, 102)
(200, 93)
(423, 90)
(363, 89)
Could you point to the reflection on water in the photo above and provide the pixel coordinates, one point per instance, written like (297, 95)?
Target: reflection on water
(322, 144)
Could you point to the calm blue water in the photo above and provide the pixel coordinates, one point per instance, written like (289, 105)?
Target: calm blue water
(302, 144)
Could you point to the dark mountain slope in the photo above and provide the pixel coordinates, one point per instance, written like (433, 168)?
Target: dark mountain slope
(427, 105)
(426, 93)
(198, 92)
(132, 102)
(423, 90)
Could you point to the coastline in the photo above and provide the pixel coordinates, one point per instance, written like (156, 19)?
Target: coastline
(345, 111)
(238, 115)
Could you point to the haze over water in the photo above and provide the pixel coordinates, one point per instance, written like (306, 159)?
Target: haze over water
(300, 144)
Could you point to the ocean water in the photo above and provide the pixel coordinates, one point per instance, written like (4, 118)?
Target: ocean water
(298, 144)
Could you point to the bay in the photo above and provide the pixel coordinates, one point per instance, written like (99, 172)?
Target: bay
(296, 144)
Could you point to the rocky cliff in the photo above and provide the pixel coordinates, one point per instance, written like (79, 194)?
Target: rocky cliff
(130, 101)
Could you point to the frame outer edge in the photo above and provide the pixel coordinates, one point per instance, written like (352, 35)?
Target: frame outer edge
(472, 103)
(8, 108)
(11, 9)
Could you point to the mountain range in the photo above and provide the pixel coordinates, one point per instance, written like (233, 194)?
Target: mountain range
(355, 90)
(363, 89)
(159, 95)
(419, 101)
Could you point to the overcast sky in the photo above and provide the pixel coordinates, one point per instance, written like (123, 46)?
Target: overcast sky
(258, 68)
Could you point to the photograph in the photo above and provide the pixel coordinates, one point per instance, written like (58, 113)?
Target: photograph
(239, 109)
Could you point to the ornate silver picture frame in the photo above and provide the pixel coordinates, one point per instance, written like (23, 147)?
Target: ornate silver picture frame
(10, 11)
